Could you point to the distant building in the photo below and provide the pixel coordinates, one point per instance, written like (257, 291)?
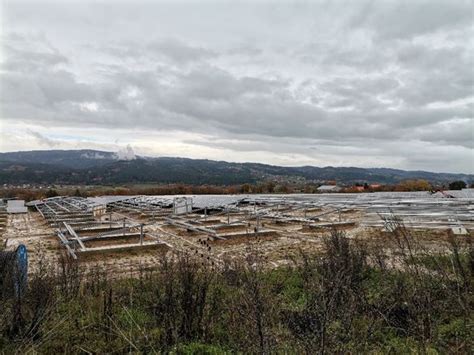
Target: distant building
(329, 188)
(16, 206)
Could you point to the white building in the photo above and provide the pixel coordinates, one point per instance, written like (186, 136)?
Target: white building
(329, 188)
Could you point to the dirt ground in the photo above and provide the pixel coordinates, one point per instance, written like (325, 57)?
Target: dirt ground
(278, 242)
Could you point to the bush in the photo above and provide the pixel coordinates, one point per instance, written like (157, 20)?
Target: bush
(347, 299)
(457, 185)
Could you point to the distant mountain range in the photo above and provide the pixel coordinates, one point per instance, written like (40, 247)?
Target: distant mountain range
(98, 167)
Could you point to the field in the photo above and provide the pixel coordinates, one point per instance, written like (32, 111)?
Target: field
(220, 228)
(256, 274)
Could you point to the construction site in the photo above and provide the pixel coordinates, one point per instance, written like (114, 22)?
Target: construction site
(124, 233)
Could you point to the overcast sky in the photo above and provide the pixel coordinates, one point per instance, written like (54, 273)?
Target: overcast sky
(341, 83)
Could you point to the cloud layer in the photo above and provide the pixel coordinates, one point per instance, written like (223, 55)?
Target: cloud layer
(370, 84)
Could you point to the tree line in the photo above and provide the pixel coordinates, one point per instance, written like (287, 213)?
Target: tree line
(267, 187)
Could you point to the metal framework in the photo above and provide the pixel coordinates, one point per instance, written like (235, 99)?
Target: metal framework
(221, 218)
(77, 225)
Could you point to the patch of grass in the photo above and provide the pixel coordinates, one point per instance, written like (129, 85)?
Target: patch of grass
(437, 261)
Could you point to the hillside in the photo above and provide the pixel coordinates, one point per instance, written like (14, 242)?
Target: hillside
(98, 167)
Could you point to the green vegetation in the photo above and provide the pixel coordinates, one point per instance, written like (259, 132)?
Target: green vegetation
(349, 299)
(457, 185)
(51, 193)
(89, 167)
(267, 187)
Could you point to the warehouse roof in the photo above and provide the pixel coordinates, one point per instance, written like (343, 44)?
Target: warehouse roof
(329, 188)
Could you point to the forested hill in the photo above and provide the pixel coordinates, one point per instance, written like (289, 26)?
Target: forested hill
(99, 167)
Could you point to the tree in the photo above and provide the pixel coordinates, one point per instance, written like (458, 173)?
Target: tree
(282, 189)
(270, 186)
(246, 188)
(51, 193)
(413, 185)
(457, 185)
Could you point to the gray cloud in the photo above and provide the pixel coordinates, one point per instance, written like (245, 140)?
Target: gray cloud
(405, 19)
(180, 52)
(283, 81)
(43, 140)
